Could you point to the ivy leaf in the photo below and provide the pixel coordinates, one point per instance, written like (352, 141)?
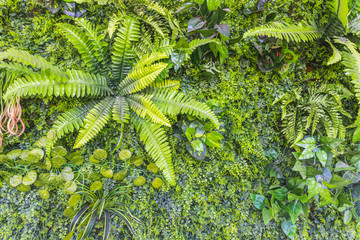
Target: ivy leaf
(280, 193)
(337, 182)
(327, 175)
(289, 229)
(213, 4)
(266, 216)
(341, 166)
(258, 201)
(351, 176)
(322, 156)
(189, 132)
(294, 211)
(326, 196)
(308, 153)
(198, 145)
(224, 30)
(300, 168)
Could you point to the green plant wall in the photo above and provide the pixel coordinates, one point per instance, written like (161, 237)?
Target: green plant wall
(212, 197)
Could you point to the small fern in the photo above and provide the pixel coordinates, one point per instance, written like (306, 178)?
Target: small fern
(319, 109)
(302, 32)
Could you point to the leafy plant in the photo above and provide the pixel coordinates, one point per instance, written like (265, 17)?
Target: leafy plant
(129, 87)
(319, 180)
(69, 7)
(313, 109)
(102, 205)
(274, 56)
(343, 25)
(198, 135)
(208, 25)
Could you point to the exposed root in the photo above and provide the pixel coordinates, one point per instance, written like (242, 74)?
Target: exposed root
(10, 120)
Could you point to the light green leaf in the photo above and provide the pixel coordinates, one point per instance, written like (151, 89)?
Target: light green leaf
(266, 216)
(289, 229)
(30, 178)
(258, 201)
(294, 210)
(322, 156)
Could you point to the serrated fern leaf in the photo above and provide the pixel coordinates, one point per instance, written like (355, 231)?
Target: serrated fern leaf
(15, 68)
(94, 121)
(141, 78)
(95, 40)
(70, 121)
(25, 58)
(156, 144)
(174, 103)
(79, 84)
(123, 54)
(120, 110)
(113, 22)
(81, 42)
(144, 107)
(168, 84)
(302, 32)
(354, 26)
(149, 59)
(154, 23)
(336, 56)
(341, 9)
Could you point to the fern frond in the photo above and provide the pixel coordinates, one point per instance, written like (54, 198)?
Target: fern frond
(15, 68)
(149, 59)
(120, 110)
(79, 84)
(81, 42)
(25, 58)
(302, 32)
(98, 46)
(168, 84)
(156, 144)
(141, 78)
(174, 103)
(94, 121)
(123, 54)
(336, 56)
(341, 9)
(354, 26)
(70, 121)
(154, 23)
(113, 22)
(144, 107)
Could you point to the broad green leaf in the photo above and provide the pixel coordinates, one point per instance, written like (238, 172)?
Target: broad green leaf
(189, 132)
(280, 193)
(198, 145)
(213, 4)
(347, 216)
(307, 143)
(351, 176)
(185, 6)
(69, 187)
(356, 136)
(308, 153)
(258, 201)
(322, 157)
(338, 181)
(296, 185)
(300, 168)
(326, 196)
(30, 178)
(314, 188)
(289, 229)
(199, 1)
(312, 172)
(327, 175)
(294, 211)
(67, 174)
(266, 215)
(212, 139)
(15, 180)
(195, 23)
(341, 166)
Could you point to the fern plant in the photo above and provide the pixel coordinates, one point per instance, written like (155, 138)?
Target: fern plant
(318, 109)
(343, 24)
(126, 84)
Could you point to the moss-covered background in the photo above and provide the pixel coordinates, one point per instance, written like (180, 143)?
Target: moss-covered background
(212, 197)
